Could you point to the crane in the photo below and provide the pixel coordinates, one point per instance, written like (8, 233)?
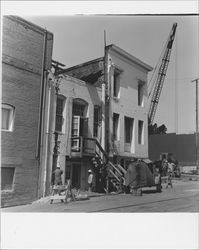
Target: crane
(161, 75)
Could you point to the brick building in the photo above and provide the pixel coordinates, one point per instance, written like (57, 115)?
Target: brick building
(26, 59)
(101, 116)
(181, 146)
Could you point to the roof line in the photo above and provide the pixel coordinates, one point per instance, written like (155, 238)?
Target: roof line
(82, 64)
(129, 56)
(30, 24)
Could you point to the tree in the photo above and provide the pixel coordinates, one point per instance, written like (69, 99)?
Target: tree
(154, 129)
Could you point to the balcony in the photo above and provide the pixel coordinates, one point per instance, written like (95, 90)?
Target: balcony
(82, 146)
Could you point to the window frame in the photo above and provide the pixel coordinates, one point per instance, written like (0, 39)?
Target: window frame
(12, 112)
(96, 120)
(141, 87)
(13, 178)
(60, 115)
(116, 82)
(128, 121)
(116, 126)
(141, 135)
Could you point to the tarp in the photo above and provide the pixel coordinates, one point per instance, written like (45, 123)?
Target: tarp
(147, 161)
(139, 175)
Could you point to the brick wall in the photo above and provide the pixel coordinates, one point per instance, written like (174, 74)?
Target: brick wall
(21, 87)
(182, 147)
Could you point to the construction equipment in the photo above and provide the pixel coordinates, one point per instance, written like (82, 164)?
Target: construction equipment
(161, 75)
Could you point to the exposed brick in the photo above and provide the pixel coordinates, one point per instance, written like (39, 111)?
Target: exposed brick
(21, 87)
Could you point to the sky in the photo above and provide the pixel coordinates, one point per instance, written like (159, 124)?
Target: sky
(79, 38)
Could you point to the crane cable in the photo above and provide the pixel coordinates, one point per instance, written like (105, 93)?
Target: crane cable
(176, 85)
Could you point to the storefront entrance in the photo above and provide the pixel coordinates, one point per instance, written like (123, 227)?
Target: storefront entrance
(76, 174)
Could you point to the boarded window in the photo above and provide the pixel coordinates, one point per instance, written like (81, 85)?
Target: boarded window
(7, 177)
(140, 132)
(115, 126)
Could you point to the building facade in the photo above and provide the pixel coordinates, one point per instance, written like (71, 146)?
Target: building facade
(101, 116)
(26, 61)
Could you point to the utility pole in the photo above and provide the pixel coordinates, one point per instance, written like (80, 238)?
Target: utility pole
(197, 142)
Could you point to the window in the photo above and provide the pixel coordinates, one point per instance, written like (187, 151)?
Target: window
(128, 129)
(59, 113)
(141, 85)
(78, 109)
(129, 145)
(96, 121)
(79, 123)
(140, 132)
(115, 126)
(7, 117)
(7, 177)
(116, 83)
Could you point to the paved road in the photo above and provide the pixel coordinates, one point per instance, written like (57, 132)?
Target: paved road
(184, 197)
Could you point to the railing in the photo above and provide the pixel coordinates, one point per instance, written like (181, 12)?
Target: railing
(82, 146)
(89, 146)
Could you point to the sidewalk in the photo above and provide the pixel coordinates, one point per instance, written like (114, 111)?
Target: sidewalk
(90, 195)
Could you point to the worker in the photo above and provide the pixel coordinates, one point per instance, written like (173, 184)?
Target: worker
(164, 167)
(58, 173)
(90, 180)
(169, 178)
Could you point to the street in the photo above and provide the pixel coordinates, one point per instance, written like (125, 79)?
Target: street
(183, 197)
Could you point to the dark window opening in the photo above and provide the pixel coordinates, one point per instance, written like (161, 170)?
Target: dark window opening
(59, 114)
(7, 177)
(140, 132)
(67, 173)
(128, 129)
(141, 93)
(116, 83)
(96, 122)
(78, 109)
(115, 126)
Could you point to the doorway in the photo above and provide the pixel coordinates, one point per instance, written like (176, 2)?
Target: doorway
(76, 174)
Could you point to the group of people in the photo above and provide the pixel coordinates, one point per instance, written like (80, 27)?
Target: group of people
(58, 178)
(138, 175)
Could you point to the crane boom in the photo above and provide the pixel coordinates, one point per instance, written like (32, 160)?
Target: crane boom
(161, 75)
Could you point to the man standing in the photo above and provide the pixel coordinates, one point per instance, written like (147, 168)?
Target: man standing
(90, 180)
(58, 173)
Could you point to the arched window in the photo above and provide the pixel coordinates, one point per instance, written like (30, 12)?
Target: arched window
(7, 117)
(80, 107)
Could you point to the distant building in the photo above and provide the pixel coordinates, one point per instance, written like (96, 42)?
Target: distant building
(26, 60)
(101, 111)
(182, 147)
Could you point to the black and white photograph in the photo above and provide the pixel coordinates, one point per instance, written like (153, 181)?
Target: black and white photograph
(99, 117)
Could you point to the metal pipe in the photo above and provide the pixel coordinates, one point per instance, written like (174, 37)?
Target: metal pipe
(46, 136)
(41, 111)
(197, 143)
